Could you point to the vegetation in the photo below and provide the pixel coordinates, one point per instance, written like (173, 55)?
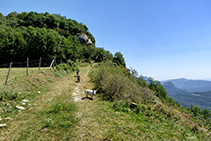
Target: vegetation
(122, 88)
(47, 35)
(126, 107)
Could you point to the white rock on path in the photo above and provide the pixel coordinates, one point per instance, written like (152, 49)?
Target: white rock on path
(77, 99)
(20, 108)
(25, 100)
(3, 125)
(23, 103)
(8, 118)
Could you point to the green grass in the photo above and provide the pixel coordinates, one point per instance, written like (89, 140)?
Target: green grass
(123, 124)
(16, 73)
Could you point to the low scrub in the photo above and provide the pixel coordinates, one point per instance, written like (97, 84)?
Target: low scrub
(115, 85)
(69, 67)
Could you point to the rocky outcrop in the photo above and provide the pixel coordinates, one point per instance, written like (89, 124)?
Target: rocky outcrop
(84, 39)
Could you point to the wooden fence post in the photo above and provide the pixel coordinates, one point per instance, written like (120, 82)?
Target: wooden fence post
(8, 73)
(40, 63)
(27, 66)
(52, 62)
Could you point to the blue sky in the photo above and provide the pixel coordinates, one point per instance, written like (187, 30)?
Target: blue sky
(162, 39)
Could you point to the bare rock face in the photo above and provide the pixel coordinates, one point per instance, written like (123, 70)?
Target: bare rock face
(84, 39)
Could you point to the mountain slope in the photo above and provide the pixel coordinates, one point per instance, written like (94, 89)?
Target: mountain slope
(61, 111)
(191, 85)
(172, 89)
(201, 99)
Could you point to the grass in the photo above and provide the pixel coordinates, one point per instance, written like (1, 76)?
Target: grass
(104, 122)
(31, 123)
(52, 113)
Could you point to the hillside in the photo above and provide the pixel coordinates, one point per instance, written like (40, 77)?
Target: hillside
(57, 109)
(201, 99)
(186, 99)
(45, 35)
(172, 89)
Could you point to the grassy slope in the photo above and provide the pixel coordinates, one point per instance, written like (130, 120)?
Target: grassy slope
(54, 115)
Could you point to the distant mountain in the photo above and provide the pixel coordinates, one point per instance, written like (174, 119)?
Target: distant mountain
(182, 90)
(191, 85)
(201, 99)
(172, 89)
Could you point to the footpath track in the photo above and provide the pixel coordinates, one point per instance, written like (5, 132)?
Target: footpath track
(65, 88)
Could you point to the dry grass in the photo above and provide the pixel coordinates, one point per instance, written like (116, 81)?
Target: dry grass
(15, 73)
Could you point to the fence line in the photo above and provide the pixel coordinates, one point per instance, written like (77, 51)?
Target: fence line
(34, 63)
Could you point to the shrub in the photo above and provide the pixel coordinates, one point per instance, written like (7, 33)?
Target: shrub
(70, 66)
(114, 85)
(9, 95)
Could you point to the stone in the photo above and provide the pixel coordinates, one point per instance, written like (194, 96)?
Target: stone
(23, 103)
(38, 92)
(8, 118)
(84, 39)
(20, 108)
(25, 100)
(133, 105)
(3, 125)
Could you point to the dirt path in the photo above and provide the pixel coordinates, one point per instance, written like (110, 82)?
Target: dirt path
(88, 110)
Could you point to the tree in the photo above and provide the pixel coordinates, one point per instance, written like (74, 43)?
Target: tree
(100, 55)
(119, 59)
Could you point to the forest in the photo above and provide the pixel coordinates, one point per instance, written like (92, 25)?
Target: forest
(47, 35)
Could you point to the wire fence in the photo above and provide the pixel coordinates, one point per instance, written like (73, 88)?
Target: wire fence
(33, 63)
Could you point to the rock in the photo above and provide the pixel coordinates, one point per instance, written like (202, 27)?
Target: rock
(84, 39)
(20, 108)
(133, 105)
(38, 92)
(23, 103)
(8, 118)
(25, 100)
(3, 125)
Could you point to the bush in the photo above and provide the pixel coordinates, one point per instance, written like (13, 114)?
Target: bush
(114, 85)
(69, 67)
(9, 95)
